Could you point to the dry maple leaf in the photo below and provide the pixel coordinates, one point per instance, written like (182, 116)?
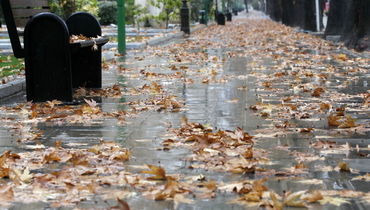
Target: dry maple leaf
(4, 172)
(333, 201)
(158, 172)
(180, 198)
(313, 196)
(51, 157)
(348, 122)
(343, 167)
(252, 197)
(91, 102)
(333, 120)
(300, 165)
(122, 205)
(20, 177)
(365, 177)
(317, 92)
(277, 204)
(52, 103)
(342, 57)
(258, 185)
(294, 199)
(121, 156)
(6, 193)
(325, 107)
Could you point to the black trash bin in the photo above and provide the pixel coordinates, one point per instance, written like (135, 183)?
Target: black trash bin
(220, 17)
(229, 16)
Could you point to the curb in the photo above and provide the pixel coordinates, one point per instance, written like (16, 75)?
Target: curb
(19, 85)
(12, 88)
(157, 40)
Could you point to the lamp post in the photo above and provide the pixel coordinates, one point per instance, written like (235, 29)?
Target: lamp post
(184, 15)
(121, 27)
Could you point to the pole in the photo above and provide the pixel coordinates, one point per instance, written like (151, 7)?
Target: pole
(121, 27)
(184, 15)
(317, 15)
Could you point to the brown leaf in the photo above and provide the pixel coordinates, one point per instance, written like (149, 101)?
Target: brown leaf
(300, 165)
(51, 157)
(6, 194)
(343, 167)
(277, 204)
(258, 185)
(158, 172)
(122, 205)
(317, 92)
(348, 122)
(4, 172)
(252, 197)
(293, 199)
(333, 120)
(121, 156)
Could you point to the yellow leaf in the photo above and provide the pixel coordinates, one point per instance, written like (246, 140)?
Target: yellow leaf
(313, 197)
(278, 205)
(342, 57)
(365, 177)
(293, 199)
(333, 201)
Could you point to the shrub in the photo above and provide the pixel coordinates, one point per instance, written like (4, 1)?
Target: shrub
(108, 12)
(65, 8)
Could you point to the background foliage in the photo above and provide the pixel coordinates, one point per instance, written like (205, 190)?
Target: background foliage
(65, 8)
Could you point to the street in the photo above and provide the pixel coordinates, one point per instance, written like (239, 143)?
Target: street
(247, 115)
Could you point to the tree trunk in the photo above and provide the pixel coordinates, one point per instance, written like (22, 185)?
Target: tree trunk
(351, 20)
(274, 10)
(336, 17)
(356, 31)
(288, 16)
(167, 19)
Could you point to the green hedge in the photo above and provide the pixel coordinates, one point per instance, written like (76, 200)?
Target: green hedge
(107, 12)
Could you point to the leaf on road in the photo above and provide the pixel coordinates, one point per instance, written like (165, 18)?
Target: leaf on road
(180, 198)
(158, 172)
(337, 201)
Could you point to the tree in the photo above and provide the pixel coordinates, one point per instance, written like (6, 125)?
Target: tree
(356, 31)
(65, 8)
(140, 14)
(297, 13)
(336, 17)
(169, 9)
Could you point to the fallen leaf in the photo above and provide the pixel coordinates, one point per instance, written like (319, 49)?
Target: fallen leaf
(294, 199)
(158, 172)
(313, 197)
(180, 198)
(337, 201)
(343, 167)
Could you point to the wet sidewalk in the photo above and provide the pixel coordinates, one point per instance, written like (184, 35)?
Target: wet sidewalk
(247, 115)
